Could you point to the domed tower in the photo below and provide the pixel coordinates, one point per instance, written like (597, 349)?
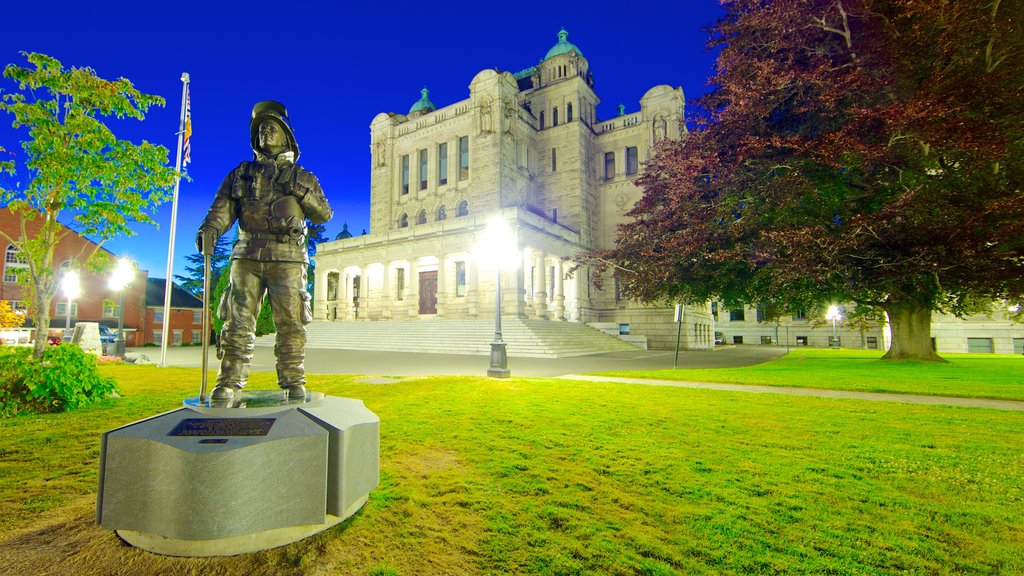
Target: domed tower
(423, 105)
(563, 60)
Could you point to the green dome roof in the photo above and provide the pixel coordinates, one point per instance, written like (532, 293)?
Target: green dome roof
(423, 104)
(563, 46)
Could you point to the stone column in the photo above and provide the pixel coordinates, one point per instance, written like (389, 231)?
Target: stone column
(559, 291)
(442, 286)
(413, 296)
(386, 297)
(515, 295)
(348, 304)
(363, 311)
(540, 279)
(321, 305)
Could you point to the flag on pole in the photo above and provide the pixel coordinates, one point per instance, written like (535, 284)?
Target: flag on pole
(188, 128)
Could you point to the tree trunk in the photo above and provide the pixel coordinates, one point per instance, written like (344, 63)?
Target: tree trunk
(42, 322)
(911, 327)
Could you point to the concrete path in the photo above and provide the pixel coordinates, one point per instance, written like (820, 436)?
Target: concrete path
(816, 392)
(323, 361)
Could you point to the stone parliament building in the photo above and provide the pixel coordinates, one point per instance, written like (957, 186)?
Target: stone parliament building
(528, 147)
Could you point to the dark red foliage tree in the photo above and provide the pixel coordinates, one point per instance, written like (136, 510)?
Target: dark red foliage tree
(852, 150)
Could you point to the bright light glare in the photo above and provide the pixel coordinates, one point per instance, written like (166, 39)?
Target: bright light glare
(497, 245)
(1015, 308)
(833, 313)
(71, 285)
(123, 274)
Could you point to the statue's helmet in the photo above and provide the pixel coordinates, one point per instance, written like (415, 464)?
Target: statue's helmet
(275, 111)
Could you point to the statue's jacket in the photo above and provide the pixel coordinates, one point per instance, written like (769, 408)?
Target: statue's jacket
(271, 202)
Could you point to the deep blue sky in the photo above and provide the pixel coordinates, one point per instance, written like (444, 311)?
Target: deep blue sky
(335, 67)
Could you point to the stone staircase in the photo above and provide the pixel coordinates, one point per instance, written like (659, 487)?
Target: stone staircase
(525, 338)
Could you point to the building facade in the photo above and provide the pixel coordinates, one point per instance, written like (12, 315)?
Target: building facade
(97, 303)
(186, 318)
(526, 147)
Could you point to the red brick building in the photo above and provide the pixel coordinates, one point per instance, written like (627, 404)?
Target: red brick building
(186, 321)
(97, 303)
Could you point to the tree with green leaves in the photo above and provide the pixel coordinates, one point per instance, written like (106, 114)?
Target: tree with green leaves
(865, 151)
(79, 177)
(192, 282)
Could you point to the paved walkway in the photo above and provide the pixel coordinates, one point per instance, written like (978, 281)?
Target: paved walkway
(324, 361)
(321, 361)
(816, 392)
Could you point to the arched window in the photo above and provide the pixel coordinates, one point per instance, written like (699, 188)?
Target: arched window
(421, 217)
(13, 261)
(554, 116)
(541, 119)
(568, 112)
(462, 210)
(403, 220)
(441, 213)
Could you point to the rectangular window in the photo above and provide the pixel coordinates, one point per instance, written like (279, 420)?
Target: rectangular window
(442, 164)
(111, 310)
(737, 315)
(423, 169)
(197, 316)
(632, 163)
(737, 339)
(18, 305)
(766, 339)
(158, 316)
(609, 165)
(800, 315)
(460, 278)
(62, 309)
(176, 337)
(158, 337)
(463, 157)
(1018, 345)
(979, 345)
(197, 336)
(872, 342)
(554, 160)
(801, 340)
(760, 315)
(400, 284)
(405, 174)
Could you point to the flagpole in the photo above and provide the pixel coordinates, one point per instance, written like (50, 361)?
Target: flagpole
(169, 282)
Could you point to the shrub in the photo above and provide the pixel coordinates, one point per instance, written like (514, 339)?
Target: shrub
(65, 379)
(16, 369)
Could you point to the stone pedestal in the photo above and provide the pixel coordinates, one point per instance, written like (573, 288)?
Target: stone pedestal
(217, 481)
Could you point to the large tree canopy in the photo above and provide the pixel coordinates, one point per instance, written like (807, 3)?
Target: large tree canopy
(853, 150)
(75, 170)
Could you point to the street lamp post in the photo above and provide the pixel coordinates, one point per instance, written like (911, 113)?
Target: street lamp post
(72, 287)
(119, 281)
(834, 315)
(497, 245)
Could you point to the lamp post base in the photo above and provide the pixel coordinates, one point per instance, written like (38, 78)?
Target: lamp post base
(499, 361)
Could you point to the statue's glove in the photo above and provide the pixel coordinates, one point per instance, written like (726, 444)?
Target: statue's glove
(206, 240)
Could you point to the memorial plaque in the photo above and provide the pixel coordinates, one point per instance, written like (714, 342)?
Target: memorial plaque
(223, 427)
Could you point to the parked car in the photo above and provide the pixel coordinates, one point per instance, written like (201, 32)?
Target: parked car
(719, 339)
(107, 336)
(53, 340)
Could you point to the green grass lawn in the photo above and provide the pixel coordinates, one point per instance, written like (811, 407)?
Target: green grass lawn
(965, 375)
(553, 477)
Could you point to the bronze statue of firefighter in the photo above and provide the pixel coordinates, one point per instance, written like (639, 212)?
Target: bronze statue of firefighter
(270, 197)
